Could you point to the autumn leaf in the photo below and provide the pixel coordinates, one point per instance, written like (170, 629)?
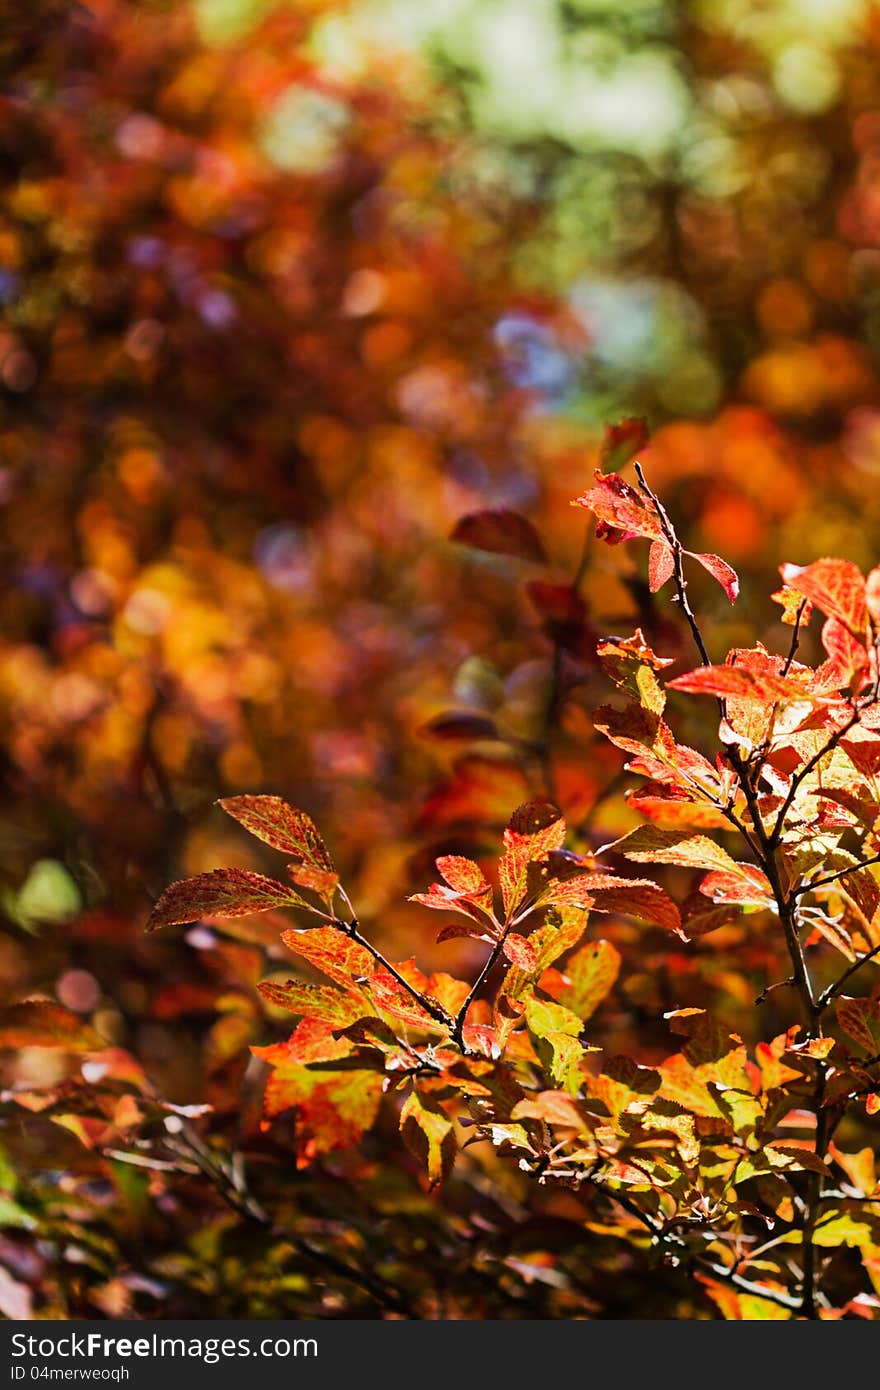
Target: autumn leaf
(650, 844)
(429, 1135)
(587, 978)
(743, 682)
(533, 831)
(661, 564)
(631, 897)
(283, 827)
(333, 953)
(721, 571)
(313, 1001)
(860, 1020)
(334, 1108)
(837, 587)
(40, 1023)
(503, 532)
(621, 510)
(291, 831)
(219, 893)
(520, 951)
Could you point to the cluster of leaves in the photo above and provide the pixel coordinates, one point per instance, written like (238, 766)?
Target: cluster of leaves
(242, 407)
(721, 1159)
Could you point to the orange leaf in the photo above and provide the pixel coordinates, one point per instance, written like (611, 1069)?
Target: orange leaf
(283, 827)
(837, 587)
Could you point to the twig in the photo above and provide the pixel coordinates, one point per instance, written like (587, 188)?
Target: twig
(677, 549)
(795, 638)
(431, 1006)
(831, 993)
(235, 1193)
(832, 878)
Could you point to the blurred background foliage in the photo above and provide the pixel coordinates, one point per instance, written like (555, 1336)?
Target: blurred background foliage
(287, 289)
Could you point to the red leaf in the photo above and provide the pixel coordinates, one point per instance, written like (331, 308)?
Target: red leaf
(661, 565)
(219, 893)
(620, 508)
(631, 897)
(520, 951)
(502, 532)
(720, 570)
(847, 656)
(462, 929)
(533, 831)
(40, 1023)
(835, 586)
(748, 886)
(463, 875)
(673, 808)
(283, 827)
(465, 890)
(743, 682)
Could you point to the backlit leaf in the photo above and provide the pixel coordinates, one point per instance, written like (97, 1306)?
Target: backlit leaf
(837, 587)
(661, 565)
(283, 827)
(620, 509)
(219, 893)
(331, 952)
(428, 1133)
(650, 844)
(588, 976)
(313, 1001)
(720, 570)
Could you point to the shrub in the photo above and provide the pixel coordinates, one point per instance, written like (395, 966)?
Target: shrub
(716, 1168)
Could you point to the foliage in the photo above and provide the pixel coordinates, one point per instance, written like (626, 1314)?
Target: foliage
(721, 1161)
(301, 360)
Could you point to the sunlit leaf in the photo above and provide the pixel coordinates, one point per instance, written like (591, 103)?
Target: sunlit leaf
(219, 893)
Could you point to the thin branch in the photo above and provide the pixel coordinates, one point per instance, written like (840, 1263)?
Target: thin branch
(234, 1191)
(677, 559)
(458, 1024)
(834, 989)
(832, 878)
(795, 637)
(777, 1296)
(430, 1006)
(799, 777)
